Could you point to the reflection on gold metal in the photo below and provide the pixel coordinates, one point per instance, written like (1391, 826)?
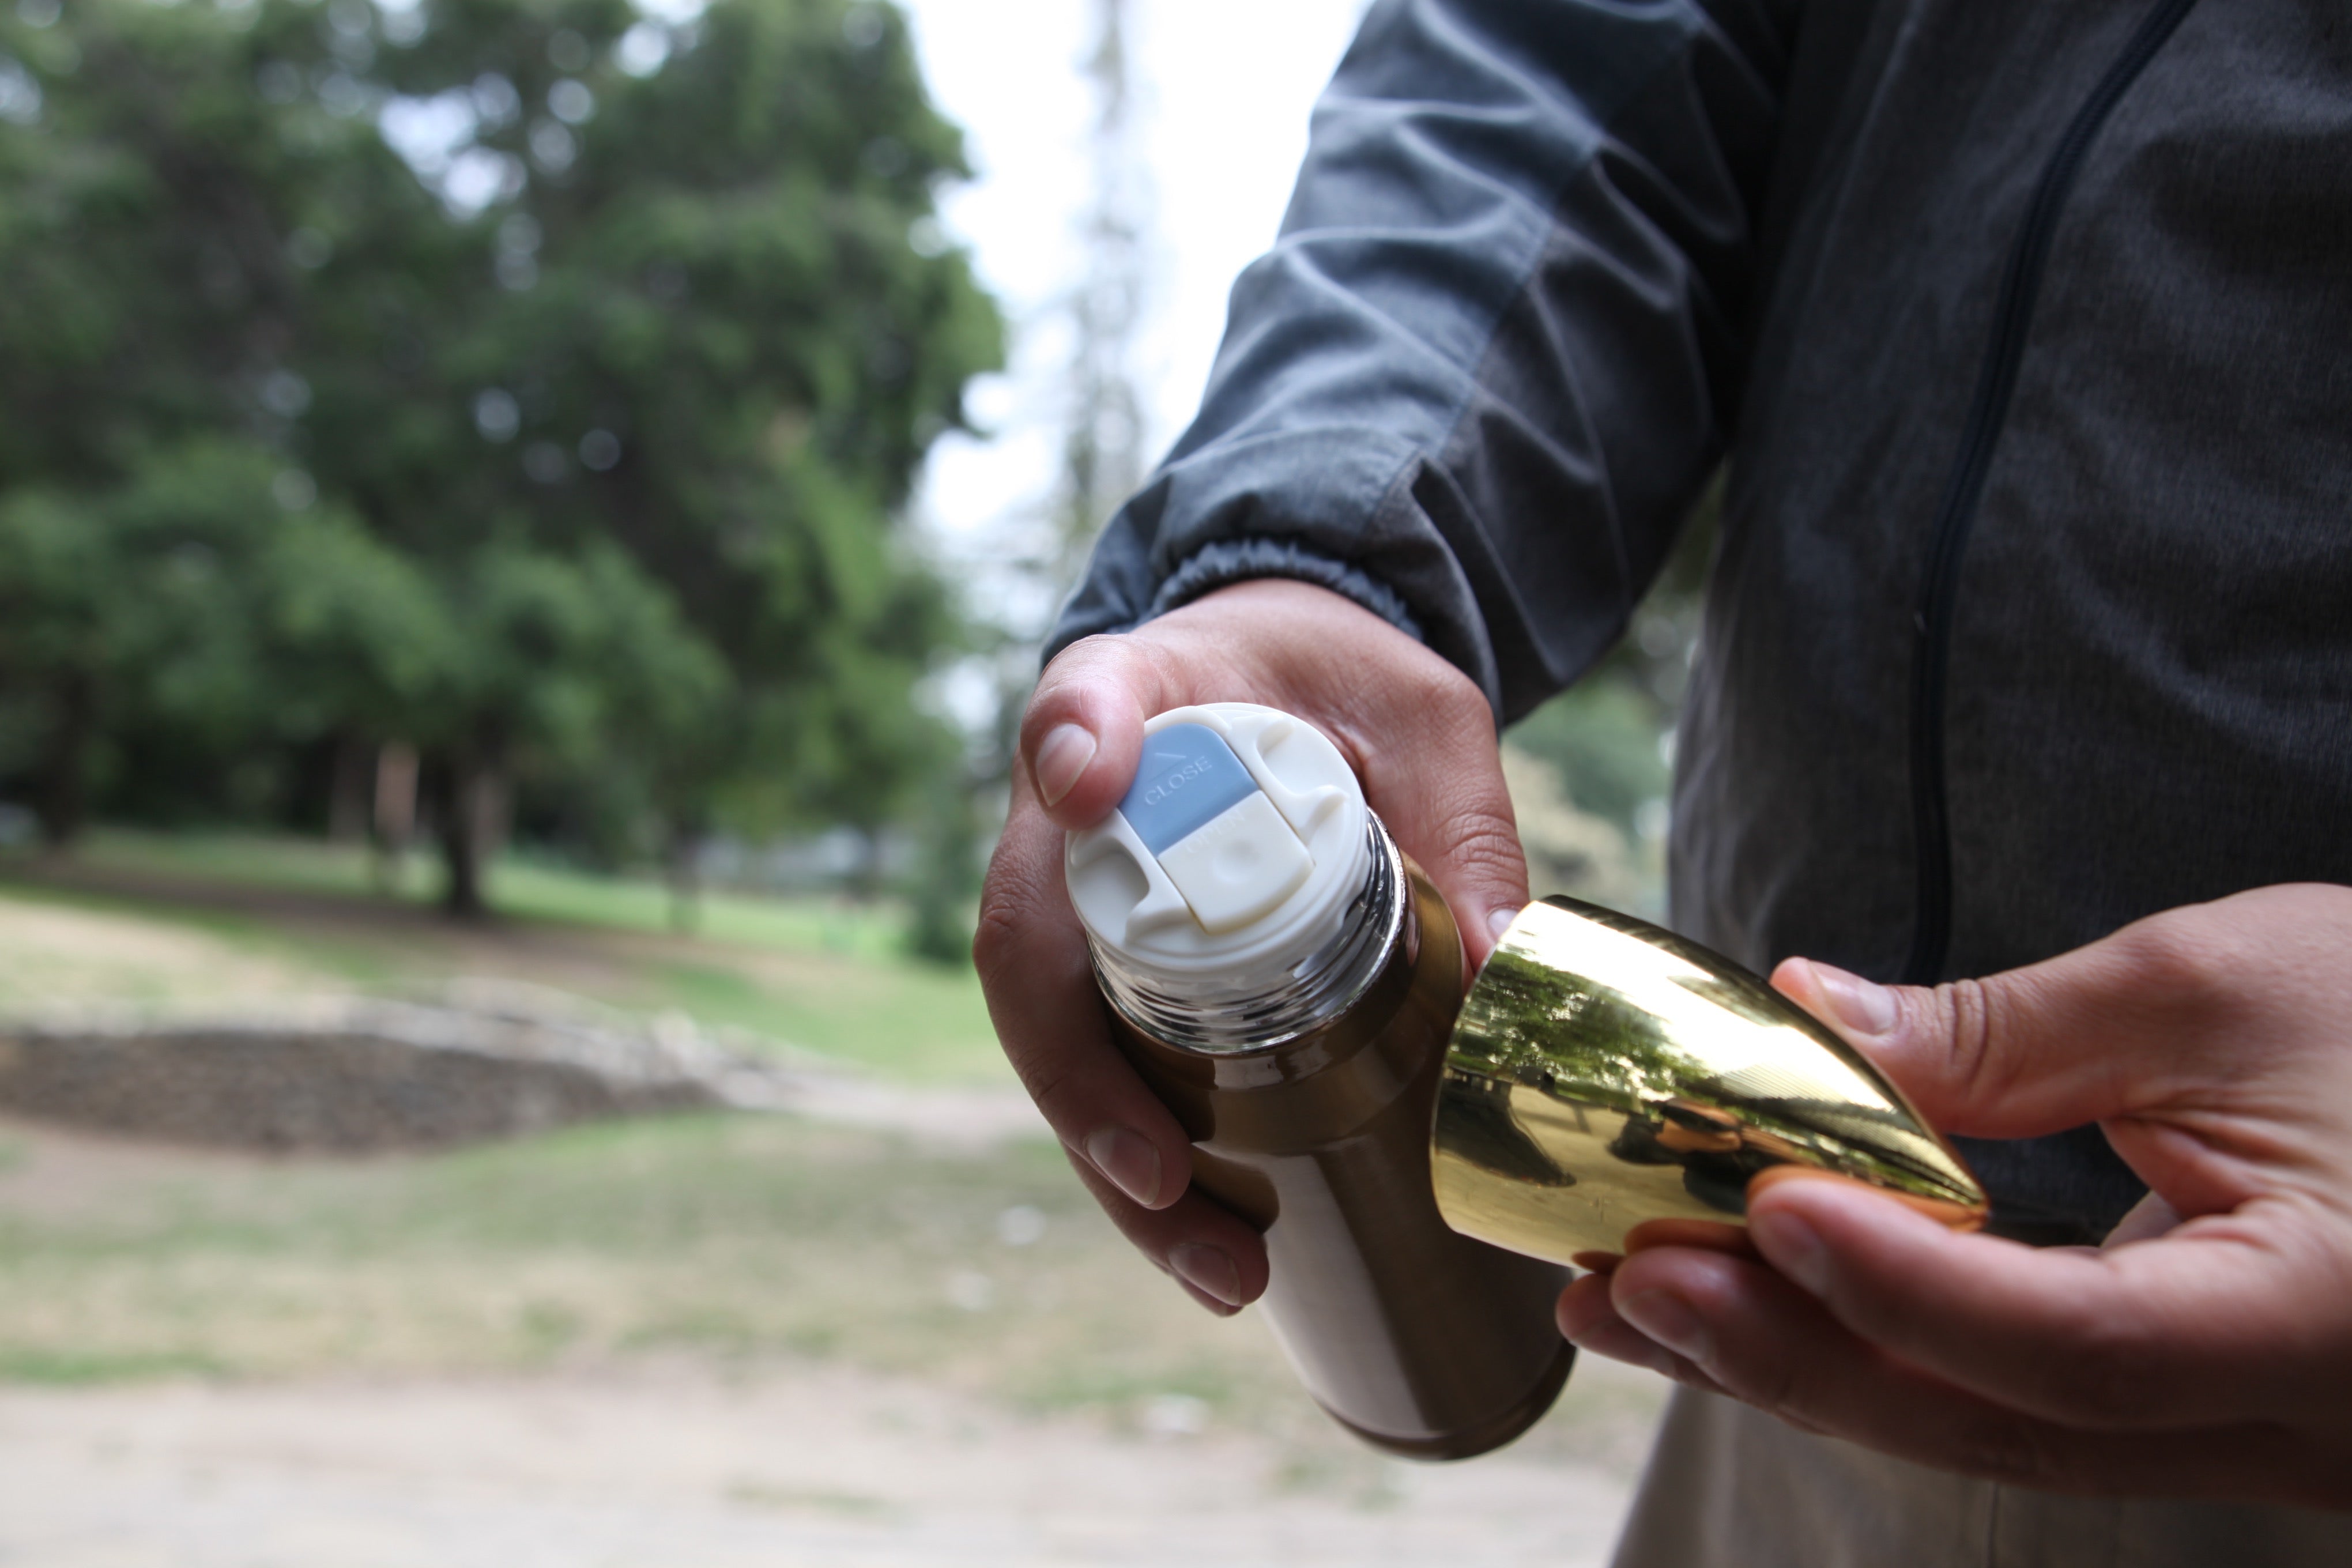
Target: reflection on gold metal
(1605, 1073)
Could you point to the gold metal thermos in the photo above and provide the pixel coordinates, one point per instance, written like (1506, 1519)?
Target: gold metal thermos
(1415, 1337)
(1426, 1166)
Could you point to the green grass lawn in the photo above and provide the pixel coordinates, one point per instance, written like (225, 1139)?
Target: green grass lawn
(170, 919)
(517, 886)
(732, 1240)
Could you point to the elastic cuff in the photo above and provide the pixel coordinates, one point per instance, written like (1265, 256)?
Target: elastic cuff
(1227, 561)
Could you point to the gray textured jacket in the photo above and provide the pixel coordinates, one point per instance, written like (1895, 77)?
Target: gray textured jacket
(2026, 328)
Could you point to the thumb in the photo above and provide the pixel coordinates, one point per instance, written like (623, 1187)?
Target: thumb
(1083, 733)
(2081, 1037)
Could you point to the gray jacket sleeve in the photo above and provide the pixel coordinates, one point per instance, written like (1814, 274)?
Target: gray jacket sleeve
(1488, 363)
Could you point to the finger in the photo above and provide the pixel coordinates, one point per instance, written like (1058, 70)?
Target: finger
(1765, 1341)
(1589, 1321)
(1032, 958)
(1425, 748)
(1082, 733)
(1703, 1234)
(2223, 1320)
(1959, 1050)
(1416, 730)
(1211, 1252)
(2097, 1032)
(1760, 1338)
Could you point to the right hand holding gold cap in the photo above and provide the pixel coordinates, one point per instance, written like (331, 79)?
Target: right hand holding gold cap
(2205, 1351)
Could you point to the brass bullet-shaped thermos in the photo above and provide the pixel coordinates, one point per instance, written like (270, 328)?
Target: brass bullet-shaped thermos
(1285, 979)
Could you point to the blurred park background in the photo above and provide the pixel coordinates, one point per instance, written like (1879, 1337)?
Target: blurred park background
(538, 515)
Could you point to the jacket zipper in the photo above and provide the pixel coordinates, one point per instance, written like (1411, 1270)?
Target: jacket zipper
(2020, 285)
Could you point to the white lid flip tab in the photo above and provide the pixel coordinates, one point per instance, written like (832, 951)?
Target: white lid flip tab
(1241, 843)
(1212, 828)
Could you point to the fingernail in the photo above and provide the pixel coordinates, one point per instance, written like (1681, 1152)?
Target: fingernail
(1793, 1247)
(1864, 1008)
(1209, 1270)
(1128, 1161)
(1666, 1318)
(1062, 757)
(1500, 922)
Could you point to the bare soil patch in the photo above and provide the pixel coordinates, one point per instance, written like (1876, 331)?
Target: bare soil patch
(672, 1466)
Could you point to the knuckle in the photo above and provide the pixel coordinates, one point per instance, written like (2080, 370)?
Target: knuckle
(1048, 1080)
(1439, 688)
(2178, 961)
(1973, 1014)
(1016, 955)
(1016, 899)
(995, 938)
(1079, 671)
(1482, 844)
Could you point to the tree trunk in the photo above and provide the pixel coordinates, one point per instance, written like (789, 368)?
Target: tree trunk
(347, 793)
(682, 871)
(62, 798)
(472, 823)
(396, 811)
(490, 806)
(462, 895)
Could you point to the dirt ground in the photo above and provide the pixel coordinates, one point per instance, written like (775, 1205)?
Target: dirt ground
(688, 1459)
(49, 953)
(680, 1468)
(794, 1341)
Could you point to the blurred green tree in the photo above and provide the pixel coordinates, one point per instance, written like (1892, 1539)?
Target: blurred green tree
(186, 600)
(717, 325)
(107, 610)
(621, 342)
(1604, 747)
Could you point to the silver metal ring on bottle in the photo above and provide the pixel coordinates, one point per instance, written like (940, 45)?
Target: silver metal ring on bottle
(1201, 1015)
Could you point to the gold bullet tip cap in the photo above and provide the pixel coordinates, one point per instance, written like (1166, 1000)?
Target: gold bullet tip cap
(1606, 1074)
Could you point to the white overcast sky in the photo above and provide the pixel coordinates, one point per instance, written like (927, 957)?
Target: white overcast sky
(1224, 91)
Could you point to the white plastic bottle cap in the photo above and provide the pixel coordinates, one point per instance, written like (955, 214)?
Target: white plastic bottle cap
(1235, 853)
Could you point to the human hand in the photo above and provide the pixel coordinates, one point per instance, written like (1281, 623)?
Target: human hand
(1418, 733)
(2206, 1350)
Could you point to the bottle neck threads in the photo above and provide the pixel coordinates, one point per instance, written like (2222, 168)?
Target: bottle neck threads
(1267, 1005)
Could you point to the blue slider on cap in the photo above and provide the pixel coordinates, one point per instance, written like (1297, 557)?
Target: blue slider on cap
(1188, 776)
(1212, 830)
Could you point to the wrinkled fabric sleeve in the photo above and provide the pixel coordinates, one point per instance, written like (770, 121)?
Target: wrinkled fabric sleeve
(1480, 378)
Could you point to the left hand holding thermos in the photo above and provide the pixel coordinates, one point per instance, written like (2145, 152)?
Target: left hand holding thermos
(1417, 732)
